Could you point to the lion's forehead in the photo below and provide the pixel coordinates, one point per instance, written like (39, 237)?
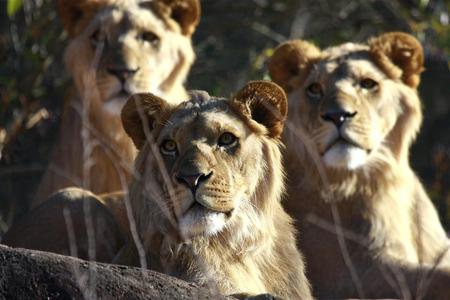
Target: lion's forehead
(350, 66)
(129, 17)
(198, 118)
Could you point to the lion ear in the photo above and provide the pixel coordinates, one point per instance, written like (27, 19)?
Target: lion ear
(185, 12)
(142, 112)
(400, 55)
(71, 12)
(291, 61)
(264, 102)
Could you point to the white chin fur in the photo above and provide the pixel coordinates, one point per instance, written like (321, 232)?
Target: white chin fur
(345, 156)
(200, 221)
(114, 106)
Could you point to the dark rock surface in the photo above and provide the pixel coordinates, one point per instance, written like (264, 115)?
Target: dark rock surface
(29, 274)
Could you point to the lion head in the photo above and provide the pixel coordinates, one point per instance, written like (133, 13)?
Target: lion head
(212, 153)
(129, 46)
(209, 186)
(357, 103)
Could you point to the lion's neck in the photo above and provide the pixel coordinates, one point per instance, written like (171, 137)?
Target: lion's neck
(236, 263)
(233, 260)
(308, 174)
(379, 199)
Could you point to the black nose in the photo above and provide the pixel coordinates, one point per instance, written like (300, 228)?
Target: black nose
(338, 118)
(192, 181)
(121, 72)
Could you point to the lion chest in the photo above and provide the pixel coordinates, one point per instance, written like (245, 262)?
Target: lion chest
(239, 276)
(391, 224)
(229, 274)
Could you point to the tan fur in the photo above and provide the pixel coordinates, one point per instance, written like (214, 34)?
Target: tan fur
(231, 231)
(390, 233)
(151, 39)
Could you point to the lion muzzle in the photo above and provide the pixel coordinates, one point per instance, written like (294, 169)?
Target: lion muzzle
(214, 204)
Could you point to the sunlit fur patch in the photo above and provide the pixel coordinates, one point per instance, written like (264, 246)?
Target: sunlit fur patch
(345, 156)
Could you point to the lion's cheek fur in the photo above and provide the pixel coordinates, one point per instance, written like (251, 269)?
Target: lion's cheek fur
(182, 57)
(82, 67)
(407, 123)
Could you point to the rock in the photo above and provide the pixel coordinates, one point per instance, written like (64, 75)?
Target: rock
(30, 274)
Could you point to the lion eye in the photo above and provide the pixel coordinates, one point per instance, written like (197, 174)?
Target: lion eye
(227, 139)
(150, 37)
(96, 37)
(368, 84)
(314, 90)
(168, 147)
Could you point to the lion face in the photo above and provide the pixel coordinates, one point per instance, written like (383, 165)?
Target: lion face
(213, 156)
(344, 104)
(129, 46)
(347, 103)
(204, 152)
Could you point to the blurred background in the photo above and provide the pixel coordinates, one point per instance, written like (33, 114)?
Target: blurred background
(232, 43)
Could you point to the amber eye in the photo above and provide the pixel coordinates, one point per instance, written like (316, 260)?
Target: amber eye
(368, 84)
(150, 37)
(227, 139)
(314, 90)
(168, 147)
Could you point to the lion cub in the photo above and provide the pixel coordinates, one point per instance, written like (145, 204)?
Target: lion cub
(368, 228)
(207, 201)
(116, 48)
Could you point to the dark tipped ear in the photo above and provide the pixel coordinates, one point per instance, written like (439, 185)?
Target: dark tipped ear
(71, 12)
(142, 110)
(290, 63)
(185, 12)
(399, 55)
(264, 102)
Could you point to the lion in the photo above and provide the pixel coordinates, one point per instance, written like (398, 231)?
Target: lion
(116, 48)
(367, 226)
(207, 204)
(205, 199)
